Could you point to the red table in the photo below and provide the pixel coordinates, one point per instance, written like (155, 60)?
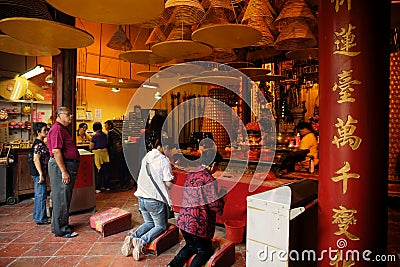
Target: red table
(235, 205)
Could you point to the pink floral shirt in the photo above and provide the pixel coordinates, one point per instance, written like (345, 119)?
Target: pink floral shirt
(200, 205)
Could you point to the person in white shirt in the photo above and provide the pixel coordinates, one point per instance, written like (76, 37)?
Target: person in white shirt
(151, 203)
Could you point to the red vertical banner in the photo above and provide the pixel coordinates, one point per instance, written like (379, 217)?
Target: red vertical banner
(354, 92)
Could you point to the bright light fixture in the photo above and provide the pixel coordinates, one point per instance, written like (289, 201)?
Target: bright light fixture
(91, 78)
(151, 85)
(49, 79)
(115, 90)
(38, 69)
(157, 95)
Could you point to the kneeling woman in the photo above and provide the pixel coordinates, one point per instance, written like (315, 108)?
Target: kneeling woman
(197, 215)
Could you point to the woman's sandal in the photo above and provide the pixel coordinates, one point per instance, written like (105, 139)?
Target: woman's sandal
(71, 235)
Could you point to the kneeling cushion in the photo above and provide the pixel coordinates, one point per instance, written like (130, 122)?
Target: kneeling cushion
(111, 221)
(165, 241)
(224, 253)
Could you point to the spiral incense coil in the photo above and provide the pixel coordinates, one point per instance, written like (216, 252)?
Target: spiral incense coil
(185, 12)
(294, 36)
(294, 10)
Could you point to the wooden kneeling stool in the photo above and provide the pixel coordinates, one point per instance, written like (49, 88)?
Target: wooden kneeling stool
(165, 241)
(224, 253)
(111, 221)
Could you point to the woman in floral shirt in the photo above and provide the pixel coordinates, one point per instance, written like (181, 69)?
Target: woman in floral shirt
(197, 215)
(38, 170)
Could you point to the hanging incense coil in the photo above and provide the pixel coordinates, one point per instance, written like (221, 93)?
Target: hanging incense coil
(180, 33)
(258, 8)
(186, 12)
(237, 1)
(23, 8)
(221, 55)
(121, 12)
(214, 15)
(261, 24)
(294, 10)
(14, 46)
(155, 37)
(119, 40)
(25, 20)
(225, 5)
(294, 36)
(161, 20)
(262, 53)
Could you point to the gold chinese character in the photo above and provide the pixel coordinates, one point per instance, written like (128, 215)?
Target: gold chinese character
(345, 131)
(338, 259)
(345, 81)
(344, 218)
(339, 3)
(345, 42)
(344, 176)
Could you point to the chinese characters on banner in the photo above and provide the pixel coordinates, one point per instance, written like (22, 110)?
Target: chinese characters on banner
(345, 43)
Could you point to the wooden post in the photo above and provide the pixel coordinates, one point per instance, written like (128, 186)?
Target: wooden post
(64, 74)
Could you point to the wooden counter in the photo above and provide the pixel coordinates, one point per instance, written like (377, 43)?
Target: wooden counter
(21, 180)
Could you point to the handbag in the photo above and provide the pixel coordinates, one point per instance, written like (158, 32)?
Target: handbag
(170, 211)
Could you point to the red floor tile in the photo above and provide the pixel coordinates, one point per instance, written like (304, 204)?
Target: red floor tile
(98, 261)
(74, 248)
(29, 261)
(31, 237)
(4, 261)
(63, 261)
(7, 237)
(122, 261)
(15, 250)
(105, 249)
(20, 226)
(44, 249)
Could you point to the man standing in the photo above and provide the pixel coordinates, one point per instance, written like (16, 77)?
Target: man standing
(63, 168)
(116, 153)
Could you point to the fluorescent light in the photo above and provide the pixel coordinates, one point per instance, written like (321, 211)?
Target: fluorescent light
(38, 69)
(151, 85)
(91, 78)
(115, 90)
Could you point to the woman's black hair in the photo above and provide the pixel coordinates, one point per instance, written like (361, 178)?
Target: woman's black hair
(81, 126)
(37, 127)
(210, 156)
(97, 126)
(152, 140)
(303, 124)
(156, 123)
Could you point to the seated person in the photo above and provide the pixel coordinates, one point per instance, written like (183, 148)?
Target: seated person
(81, 135)
(308, 141)
(207, 144)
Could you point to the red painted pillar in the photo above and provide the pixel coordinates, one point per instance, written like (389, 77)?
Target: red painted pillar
(354, 94)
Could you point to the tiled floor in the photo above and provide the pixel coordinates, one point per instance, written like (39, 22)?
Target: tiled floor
(23, 243)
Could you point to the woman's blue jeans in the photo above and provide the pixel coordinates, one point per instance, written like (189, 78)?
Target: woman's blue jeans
(155, 220)
(39, 205)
